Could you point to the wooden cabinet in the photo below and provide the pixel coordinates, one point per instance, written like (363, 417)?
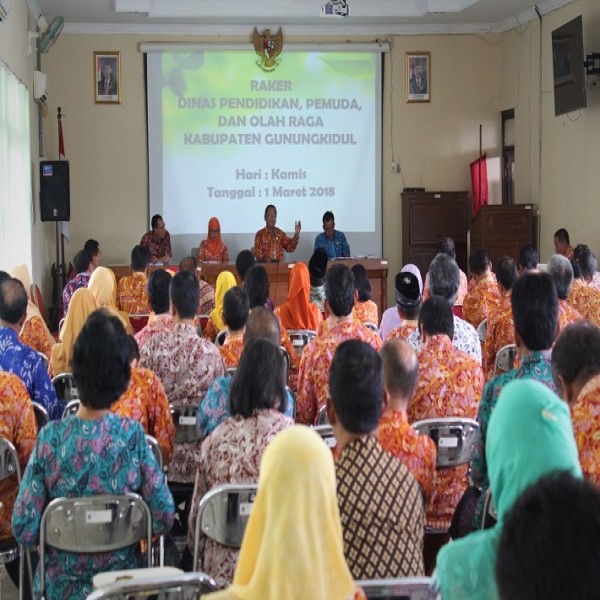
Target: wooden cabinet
(429, 216)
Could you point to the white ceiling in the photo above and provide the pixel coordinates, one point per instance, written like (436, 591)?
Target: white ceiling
(371, 17)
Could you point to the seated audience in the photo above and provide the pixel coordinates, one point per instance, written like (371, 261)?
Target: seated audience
(576, 368)
(236, 308)
(18, 426)
(530, 435)
(207, 292)
(562, 244)
(365, 310)
(299, 312)
(158, 296)
(293, 545)
(132, 295)
(35, 332)
(212, 249)
(549, 543)
(528, 259)
(214, 407)
(383, 537)
(444, 280)
(60, 464)
(225, 281)
(446, 246)
(84, 267)
(244, 260)
(391, 319)
(585, 296)
(318, 353)
(92, 247)
(145, 401)
(534, 305)
(500, 326)
(16, 357)
(317, 267)
(103, 285)
(449, 384)
(185, 363)
(482, 301)
(561, 271)
(408, 306)
(417, 452)
(232, 453)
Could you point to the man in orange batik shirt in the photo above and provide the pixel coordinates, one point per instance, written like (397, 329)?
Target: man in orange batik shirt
(132, 294)
(483, 300)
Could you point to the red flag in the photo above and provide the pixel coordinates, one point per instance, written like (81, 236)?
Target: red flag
(61, 141)
(479, 183)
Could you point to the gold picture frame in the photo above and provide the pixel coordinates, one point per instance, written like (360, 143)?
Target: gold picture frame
(107, 77)
(418, 77)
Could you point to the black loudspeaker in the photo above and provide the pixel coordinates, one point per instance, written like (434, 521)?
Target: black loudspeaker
(55, 197)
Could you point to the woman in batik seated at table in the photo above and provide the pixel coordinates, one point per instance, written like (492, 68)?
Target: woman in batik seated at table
(212, 249)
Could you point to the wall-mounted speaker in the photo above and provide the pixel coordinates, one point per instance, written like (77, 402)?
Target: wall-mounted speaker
(55, 197)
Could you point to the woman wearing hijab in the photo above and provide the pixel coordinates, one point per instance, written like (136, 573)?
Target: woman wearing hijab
(103, 285)
(213, 249)
(530, 435)
(293, 546)
(299, 312)
(225, 281)
(35, 332)
(82, 305)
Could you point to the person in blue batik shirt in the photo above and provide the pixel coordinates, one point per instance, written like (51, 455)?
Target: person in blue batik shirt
(331, 240)
(16, 357)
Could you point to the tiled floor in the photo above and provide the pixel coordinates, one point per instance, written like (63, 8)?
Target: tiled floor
(7, 589)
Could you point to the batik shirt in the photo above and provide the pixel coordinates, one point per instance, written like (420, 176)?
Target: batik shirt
(214, 407)
(404, 331)
(146, 402)
(449, 384)
(132, 294)
(207, 298)
(27, 364)
(33, 334)
(382, 512)
(463, 287)
(366, 312)
(481, 302)
(17, 425)
(156, 324)
(586, 425)
(585, 299)
(270, 244)
(231, 350)
(500, 333)
(80, 280)
(313, 386)
(76, 457)
(187, 365)
(231, 454)
(156, 246)
(566, 315)
(417, 452)
(535, 365)
(465, 339)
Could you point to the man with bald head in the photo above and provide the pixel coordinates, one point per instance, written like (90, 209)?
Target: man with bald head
(417, 452)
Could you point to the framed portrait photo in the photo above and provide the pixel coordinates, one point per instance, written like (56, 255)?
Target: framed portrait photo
(562, 61)
(107, 77)
(418, 77)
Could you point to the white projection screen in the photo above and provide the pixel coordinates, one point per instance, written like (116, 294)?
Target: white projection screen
(226, 138)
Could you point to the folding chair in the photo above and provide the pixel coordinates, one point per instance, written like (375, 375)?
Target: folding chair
(326, 432)
(71, 408)
(41, 414)
(220, 339)
(372, 326)
(404, 588)
(301, 337)
(94, 524)
(322, 418)
(65, 386)
(489, 516)
(185, 586)
(482, 330)
(505, 359)
(223, 514)
(44, 358)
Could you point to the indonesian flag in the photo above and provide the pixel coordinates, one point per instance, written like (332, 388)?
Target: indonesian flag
(479, 183)
(64, 225)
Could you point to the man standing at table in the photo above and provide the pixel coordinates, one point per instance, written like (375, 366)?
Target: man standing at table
(332, 240)
(158, 241)
(270, 242)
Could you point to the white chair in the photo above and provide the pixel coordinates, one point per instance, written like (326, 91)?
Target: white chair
(409, 588)
(482, 330)
(505, 359)
(185, 586)
(223, 514)
(94, 524)
(158, 455)
(41, 414)
(301, 337)
(65, 386)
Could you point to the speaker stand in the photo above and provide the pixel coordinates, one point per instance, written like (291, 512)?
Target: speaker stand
(59, 278)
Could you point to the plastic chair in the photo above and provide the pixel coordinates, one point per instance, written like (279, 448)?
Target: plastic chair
(409, 588)
(94, 524)
(220, 339)
(138, 322)
(65, 386)
(482, 330)
(185, 586)
(326, 433)
(223, 514)
(41, 415)
(505, 359)
(301, 337)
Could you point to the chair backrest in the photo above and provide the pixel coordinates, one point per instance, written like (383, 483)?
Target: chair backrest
(156, 449)
(372, 326)
(9, 460)
(505, 359)
(482, 330)
(41, 415)
(65, 386)
(286, 366)
(44, 358)
(322, 418)
(223, 513)
(404, 588)
(184, 418)
(94, 524)
(326, 432)
(489, 516)
(231, 371)
(71, 408)
(184, 586)
(301, 337)
(138, 322)
(36, 295)
(220, 339)
(454, 438)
